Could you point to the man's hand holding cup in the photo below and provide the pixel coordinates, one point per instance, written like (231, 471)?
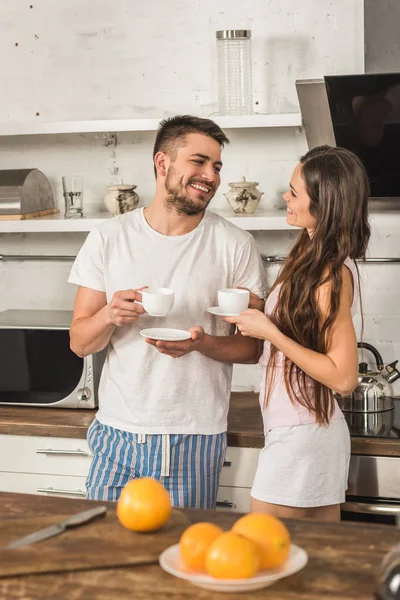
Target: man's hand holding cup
(125, 307)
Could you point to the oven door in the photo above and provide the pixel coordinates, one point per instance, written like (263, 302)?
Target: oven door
(371, 510)
(374, 490)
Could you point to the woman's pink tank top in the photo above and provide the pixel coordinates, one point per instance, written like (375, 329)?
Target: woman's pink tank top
(280, 411)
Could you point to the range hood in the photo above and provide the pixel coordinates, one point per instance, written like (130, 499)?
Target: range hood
(361, 113)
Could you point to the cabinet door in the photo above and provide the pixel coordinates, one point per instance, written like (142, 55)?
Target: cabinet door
(36, 454)
(45, 485)
(234, 499)
(240, 467)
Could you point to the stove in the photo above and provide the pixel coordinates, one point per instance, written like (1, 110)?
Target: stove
(384, 424)
(374, 481)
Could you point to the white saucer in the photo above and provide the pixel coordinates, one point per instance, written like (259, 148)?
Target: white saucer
(164, 334)
(216, 310)
(170, 561)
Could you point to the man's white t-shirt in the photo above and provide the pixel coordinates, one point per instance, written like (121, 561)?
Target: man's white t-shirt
(142, 390)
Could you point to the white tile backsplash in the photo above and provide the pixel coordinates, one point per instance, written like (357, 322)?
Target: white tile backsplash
(97, 60)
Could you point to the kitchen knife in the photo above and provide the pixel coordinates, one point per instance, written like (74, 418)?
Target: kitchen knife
(48, 532)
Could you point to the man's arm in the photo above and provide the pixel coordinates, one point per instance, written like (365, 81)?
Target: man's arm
(94, 320)
(231, 348)
(228, 348)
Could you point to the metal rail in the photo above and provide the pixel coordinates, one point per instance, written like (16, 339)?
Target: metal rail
(280, 259)
(54, 257)
(265, 259)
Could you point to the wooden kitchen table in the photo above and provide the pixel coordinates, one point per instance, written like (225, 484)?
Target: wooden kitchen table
(343, 559)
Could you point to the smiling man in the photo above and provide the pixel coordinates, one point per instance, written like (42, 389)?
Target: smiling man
(160, 417)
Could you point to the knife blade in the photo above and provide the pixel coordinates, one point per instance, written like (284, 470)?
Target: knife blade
(48, 532)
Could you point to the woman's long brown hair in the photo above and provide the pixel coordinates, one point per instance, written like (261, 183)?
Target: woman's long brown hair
(338, 187)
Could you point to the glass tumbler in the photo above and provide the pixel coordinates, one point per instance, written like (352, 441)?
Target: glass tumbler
(73, 196)
(235, 91)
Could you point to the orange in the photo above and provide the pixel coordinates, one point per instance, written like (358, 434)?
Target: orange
(144, 505)
(195, 542)
(269, 533)
(232, 556)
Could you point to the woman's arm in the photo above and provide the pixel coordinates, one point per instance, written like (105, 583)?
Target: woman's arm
(338, 368)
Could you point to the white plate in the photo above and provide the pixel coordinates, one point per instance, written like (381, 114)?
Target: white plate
(164, 334)
(170, 561)
(216, 310)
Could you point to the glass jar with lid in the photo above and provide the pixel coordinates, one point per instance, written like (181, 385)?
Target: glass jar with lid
(235, 93)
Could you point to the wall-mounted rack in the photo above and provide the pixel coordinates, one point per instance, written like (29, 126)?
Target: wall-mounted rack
(281, 259)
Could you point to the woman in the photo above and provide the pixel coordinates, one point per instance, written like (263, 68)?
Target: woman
(310, 345)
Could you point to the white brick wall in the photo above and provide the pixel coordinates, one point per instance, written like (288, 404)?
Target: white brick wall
(103, 59)
(106, 60)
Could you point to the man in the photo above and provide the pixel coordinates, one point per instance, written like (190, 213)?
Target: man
(159, 417)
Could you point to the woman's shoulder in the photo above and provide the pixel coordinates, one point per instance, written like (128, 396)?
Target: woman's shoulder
(348, 288)
(348, 271)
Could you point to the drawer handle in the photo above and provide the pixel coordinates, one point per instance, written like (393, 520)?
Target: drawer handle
(227, 463)
(372, 509)
(62, 452)
(51, 490)
(225, 504)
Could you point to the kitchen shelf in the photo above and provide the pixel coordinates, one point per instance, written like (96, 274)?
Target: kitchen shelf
(113, 126)
(53, 224)
(260, 220)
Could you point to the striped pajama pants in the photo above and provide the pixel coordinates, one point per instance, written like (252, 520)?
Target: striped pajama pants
(188, 466)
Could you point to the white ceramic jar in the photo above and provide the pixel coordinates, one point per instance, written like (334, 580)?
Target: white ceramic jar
(121, 198)
(243, 197)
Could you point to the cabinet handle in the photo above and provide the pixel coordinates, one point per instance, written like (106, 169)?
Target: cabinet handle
(225, 504)
(61, 452)
(227, 463)
(51, 490)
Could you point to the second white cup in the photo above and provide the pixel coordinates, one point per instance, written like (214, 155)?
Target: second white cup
(232, 301)
(157, 302)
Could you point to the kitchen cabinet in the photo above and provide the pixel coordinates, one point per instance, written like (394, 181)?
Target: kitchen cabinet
(43, 484)
(237, 477)
(44, 465)
(58, 466)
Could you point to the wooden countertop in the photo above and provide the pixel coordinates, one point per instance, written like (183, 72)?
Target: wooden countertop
(244, 425)
(343, 561)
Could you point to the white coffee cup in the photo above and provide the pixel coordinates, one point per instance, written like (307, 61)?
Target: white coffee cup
(157, 302)
(232, 301)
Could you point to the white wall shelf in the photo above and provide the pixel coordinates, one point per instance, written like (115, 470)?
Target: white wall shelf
(112, 126)
(260, 220)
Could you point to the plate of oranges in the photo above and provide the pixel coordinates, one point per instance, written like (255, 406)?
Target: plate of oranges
(255, 553)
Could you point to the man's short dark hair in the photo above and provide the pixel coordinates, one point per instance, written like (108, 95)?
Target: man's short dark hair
(173, 130)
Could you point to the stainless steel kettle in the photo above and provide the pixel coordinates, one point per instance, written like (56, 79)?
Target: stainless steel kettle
(374, 392)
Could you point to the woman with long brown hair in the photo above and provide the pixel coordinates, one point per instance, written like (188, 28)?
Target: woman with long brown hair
(310, 345)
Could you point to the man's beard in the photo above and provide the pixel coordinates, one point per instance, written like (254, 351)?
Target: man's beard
(178, 198)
